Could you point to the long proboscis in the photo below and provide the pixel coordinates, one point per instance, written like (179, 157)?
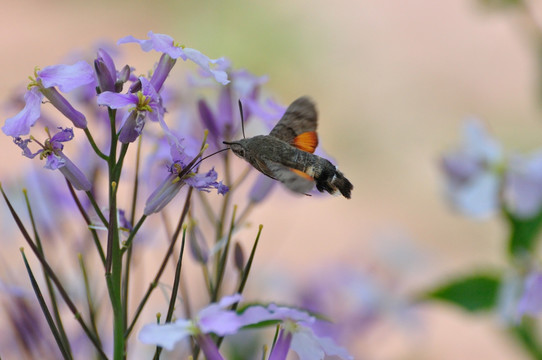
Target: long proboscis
(206, 157)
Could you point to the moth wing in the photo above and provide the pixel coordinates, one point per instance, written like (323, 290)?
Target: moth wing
(287, 176)
(299, 119)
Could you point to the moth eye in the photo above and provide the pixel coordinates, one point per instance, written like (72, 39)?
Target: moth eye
(242, 152)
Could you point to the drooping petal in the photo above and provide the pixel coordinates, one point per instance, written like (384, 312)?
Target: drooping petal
(166, 335)
(23, 144)
(205, 63)
(67, 77)
(21, 123)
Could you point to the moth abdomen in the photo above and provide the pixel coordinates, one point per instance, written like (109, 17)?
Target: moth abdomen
(329, 179)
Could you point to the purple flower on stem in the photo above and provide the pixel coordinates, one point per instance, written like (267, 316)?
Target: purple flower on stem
(472, 177)
(296, 334)
(165, 44)
(66, 78)
(182, 172)
(55, 159)
(145, 102)
(531, 300)
(213, 319)
(523, 185)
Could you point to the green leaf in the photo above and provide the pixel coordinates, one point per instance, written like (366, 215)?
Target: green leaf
(523, 234)
(474, 293)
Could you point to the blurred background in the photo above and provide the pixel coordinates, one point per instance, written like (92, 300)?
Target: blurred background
(393, 82)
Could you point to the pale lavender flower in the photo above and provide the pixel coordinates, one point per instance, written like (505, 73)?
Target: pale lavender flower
(165, 44)
(296, 334)
(213, 319)
(51, 150)
(523, 185)
(145, 103)
(472, 178)
(531, 300)
(66, 78)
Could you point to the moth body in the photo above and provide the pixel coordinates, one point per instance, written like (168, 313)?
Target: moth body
(286, 154)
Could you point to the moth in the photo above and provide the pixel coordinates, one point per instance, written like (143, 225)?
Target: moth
(286, 154)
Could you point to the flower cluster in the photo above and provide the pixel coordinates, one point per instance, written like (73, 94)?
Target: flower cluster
(117, 111)
(482, 180)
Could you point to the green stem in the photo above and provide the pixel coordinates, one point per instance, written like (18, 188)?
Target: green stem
(88, 222)
(90, 303)
(128, 260)
(162, 267)
(50, 290)
(66, 352)
(223, 259)
(94, 146)
(174, 290)
(53, 276)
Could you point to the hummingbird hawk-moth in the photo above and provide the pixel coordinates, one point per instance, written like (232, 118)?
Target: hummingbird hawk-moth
(286, 154)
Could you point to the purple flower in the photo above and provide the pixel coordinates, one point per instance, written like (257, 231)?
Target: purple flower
(531, 300)
(66, 78)
(215, 319)
(181, 172)
(145, 102)
(296, 333)
(165, 44)
(106, 73)
(472, 178)
(523, 185)
(51, 150)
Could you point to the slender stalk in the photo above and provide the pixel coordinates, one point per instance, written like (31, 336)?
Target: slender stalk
(94, 146)
(162, 267)
(88, 222)
(175, 289)
(53, 276)
(66, 352)
(97, 208)
(128, 243)
(128, 260)
(223, 259)
(50, 290)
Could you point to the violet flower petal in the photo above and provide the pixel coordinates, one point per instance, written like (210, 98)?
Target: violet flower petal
(166, 335)
(67, 77)
(21, 123)
(282, 346)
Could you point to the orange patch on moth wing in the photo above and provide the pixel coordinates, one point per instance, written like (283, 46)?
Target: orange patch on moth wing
(308, 141)
(302, 174)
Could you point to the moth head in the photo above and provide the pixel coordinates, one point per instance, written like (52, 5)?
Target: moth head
(237, 148)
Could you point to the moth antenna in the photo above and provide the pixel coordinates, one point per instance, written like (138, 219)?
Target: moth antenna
(242, 118)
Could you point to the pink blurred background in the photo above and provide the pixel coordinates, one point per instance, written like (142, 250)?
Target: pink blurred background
(393, 82)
